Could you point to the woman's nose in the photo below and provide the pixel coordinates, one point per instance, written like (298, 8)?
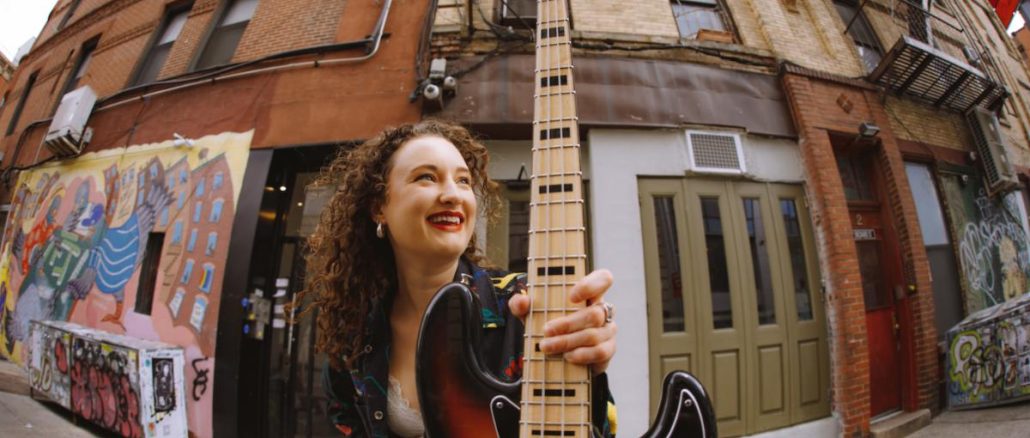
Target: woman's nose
(449, 192)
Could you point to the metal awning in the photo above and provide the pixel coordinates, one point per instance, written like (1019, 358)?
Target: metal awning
(918, 70)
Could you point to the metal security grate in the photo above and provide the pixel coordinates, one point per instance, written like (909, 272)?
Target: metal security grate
(715, 151)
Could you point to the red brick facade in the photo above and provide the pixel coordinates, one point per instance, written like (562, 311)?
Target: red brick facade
(818, 107)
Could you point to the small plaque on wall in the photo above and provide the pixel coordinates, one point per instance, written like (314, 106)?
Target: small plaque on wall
(865, 233)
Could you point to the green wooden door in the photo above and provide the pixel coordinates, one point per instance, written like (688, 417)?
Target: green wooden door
(730, 272)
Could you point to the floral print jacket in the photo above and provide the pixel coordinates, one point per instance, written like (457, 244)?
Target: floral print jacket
(357, 397)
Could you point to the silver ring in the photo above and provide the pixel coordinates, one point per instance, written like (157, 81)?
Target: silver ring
(609, 312)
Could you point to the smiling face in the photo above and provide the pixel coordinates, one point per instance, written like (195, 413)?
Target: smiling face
(430, 209)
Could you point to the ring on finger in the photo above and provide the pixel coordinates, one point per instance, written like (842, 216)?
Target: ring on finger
(609, 312)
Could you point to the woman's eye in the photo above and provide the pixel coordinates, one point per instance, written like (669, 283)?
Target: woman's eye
(426, 176)
(465, 180)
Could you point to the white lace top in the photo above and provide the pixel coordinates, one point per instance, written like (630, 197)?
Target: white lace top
(402, 419)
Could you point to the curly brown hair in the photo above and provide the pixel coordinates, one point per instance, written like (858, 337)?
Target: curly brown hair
(349, 269)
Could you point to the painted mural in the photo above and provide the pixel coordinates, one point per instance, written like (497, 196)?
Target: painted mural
(992, 244)
(989, 356)
(75, 240)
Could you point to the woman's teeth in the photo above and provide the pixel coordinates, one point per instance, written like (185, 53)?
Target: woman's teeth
(445, 219)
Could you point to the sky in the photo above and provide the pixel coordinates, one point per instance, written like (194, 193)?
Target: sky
(21, 20)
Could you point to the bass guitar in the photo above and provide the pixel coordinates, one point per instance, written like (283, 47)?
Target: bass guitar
(459, 396)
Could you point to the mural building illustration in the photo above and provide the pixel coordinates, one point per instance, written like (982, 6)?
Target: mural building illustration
(74, 245)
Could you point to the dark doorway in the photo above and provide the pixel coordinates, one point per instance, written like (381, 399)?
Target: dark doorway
(279, 391)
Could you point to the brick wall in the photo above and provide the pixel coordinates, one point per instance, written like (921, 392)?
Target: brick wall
(817, 113)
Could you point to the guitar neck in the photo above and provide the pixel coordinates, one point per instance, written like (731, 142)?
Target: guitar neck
(555, 394)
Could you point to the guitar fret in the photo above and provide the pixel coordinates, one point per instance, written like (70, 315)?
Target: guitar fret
(561, 146)
(551, 403)
(557, 175)
(563, 20)
(553, 423)
(557, 257)
(556, 93)
(556, 309)
(551, 382)
(555, 44)
(559, 119)
(565, 284)
(558, 68)
(558, 201)
(558, 230)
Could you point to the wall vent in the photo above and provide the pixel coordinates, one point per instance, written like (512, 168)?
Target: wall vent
(991, 147)
(712, 152)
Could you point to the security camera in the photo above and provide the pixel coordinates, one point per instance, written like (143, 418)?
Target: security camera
(431, 92)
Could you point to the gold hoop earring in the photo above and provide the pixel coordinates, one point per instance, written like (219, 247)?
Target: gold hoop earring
(379, 230)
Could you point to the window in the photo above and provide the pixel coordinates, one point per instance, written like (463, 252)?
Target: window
(177, 232)
(199, 190)
(221, 45)
(694, 15)
(216, 182)
(216, 210)
(176, 302)
(212, 243)
(85, 56)
(197, 209)
(861, 32)
(192, 243)
(516, 13)
(187, 272)
(68, 15)
(158, 53)
(21, 103)
(208, 278)
(148, 273)
(718, 273)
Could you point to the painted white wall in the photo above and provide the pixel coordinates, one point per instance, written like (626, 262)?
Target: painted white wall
(619, 157)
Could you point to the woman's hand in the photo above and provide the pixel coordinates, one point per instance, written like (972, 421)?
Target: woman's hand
(584, 337)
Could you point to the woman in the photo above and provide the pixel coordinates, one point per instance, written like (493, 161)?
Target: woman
(400, 226)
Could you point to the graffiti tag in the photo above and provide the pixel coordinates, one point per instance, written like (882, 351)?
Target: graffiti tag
(200, 381)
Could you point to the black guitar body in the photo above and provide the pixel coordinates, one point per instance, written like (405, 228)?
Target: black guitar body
(462, 398)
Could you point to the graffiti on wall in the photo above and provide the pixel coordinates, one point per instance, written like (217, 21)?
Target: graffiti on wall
(129, 386)
(989, 355)
(993, 247)
(75, 242)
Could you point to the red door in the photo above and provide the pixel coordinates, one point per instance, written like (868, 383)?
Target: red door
(879, 275)
(880, 267)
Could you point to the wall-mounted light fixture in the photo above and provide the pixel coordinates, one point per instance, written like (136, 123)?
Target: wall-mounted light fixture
(868, 130)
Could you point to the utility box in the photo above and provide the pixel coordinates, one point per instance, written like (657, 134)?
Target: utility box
(988, 358)
(68, 131)
(132, 387)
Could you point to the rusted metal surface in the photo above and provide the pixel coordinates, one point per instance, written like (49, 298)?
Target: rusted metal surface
(628, 92)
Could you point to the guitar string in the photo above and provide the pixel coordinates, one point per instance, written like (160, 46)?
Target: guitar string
(539, 164)
(564, 195)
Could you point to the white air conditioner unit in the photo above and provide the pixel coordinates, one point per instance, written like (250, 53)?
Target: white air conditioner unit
(715, 152)
(68, 131)
(990, 145)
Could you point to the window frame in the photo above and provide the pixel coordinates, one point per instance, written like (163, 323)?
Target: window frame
(717, 8)
(170, 13)
(860, 16)
(68, 14)
(84, 58)
(20, 106)
(215, 28)
(500, 10)
(150, 265)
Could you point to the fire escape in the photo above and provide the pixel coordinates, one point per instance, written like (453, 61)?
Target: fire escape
(917, 67)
